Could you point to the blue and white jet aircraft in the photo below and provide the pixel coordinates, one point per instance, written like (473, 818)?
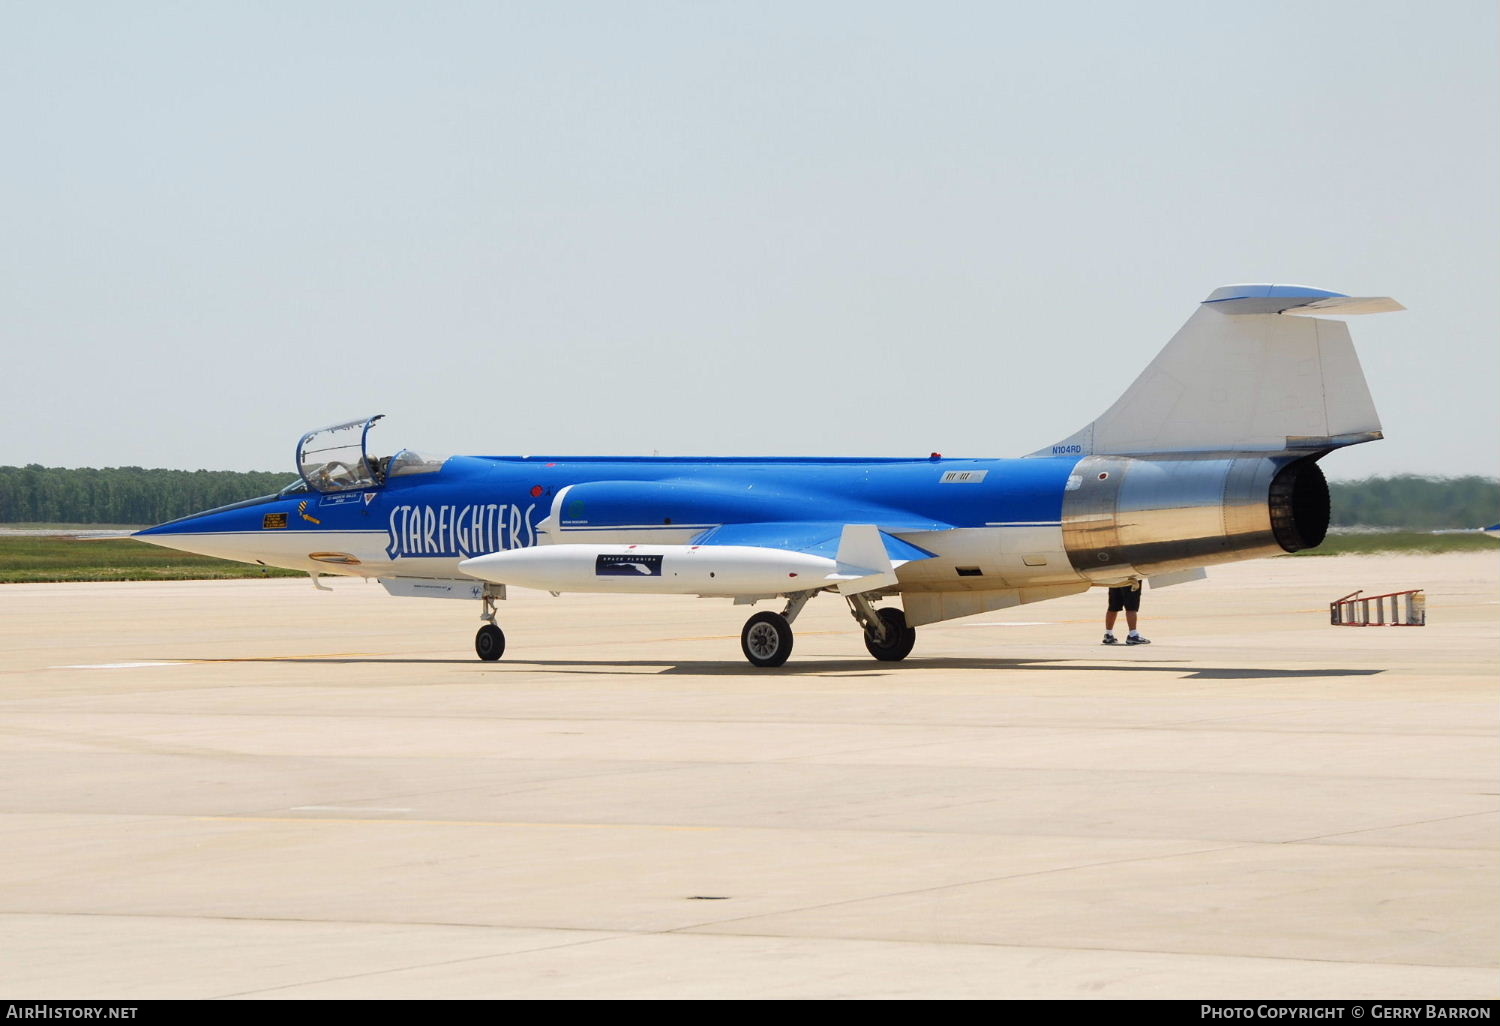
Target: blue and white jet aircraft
(1210, 456)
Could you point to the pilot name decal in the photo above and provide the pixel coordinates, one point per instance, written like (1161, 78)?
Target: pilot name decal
(458, 530)
(627, 566)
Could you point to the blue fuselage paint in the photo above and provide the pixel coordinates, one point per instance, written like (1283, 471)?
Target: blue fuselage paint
(480, 504)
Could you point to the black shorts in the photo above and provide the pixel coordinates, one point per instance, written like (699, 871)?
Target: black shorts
(1126, 598)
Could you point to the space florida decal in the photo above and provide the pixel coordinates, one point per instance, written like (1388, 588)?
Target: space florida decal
(458, 530)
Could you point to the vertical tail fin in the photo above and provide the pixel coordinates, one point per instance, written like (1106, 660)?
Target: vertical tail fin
(1254, 369)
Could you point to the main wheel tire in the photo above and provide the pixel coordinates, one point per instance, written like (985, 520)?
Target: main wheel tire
(899, 638)
(766, 639)
(489, 643)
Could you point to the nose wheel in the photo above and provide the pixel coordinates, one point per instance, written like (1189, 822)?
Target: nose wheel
(489, 643)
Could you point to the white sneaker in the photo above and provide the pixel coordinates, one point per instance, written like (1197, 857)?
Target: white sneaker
(1136, 639)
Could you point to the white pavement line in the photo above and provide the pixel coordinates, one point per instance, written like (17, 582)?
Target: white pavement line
(113, 666)
(342, 808)
(1011, 623)
(432, 965)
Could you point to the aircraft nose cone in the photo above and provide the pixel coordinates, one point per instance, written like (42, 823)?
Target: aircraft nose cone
(165, 534)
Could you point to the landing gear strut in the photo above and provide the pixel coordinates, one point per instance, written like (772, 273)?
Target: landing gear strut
(887, 637)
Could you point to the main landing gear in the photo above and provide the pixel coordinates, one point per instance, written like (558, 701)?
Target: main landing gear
(898, 640)
(767, 637)
(887, 637)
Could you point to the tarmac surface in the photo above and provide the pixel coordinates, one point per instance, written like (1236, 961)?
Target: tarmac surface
(252, 789)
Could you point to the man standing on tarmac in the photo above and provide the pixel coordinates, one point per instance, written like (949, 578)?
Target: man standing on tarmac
(1128, 598)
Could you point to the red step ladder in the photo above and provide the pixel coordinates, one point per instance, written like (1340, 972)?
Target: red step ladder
(1360, 610)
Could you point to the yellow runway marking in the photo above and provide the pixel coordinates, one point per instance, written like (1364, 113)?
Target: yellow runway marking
(448, 822)
(295, 658)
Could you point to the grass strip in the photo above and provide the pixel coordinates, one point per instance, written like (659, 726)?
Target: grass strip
(1363, 543)
(36, 560)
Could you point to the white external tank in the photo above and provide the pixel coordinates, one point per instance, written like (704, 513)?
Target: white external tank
(718, 570)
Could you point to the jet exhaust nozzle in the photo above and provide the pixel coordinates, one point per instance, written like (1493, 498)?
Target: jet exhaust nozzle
(1126, 517)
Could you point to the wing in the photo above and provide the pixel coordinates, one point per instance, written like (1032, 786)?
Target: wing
(865, 556)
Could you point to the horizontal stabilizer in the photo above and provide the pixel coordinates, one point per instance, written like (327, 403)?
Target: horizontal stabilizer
(1347, 306)
(1296, 300)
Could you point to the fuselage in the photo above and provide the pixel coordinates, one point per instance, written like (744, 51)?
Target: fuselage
(423, 525)
(986, 523)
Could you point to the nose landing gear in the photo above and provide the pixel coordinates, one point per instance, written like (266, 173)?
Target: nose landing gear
(489, 643)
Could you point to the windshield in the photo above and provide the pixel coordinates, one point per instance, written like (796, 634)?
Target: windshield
(334, 459)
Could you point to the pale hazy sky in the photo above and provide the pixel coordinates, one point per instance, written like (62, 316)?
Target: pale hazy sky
(842, 228)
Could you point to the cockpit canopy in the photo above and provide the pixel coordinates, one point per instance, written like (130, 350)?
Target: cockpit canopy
(337, 459)
(334, 458)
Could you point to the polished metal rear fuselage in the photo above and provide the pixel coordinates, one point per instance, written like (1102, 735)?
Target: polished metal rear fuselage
(1127, 517)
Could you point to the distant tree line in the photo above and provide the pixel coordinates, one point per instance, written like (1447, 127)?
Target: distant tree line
(132, 495)
(1421, 503)
(123, 495)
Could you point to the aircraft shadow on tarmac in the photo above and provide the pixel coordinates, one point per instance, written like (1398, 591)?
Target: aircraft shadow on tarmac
(846, 668)
(864, 669)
